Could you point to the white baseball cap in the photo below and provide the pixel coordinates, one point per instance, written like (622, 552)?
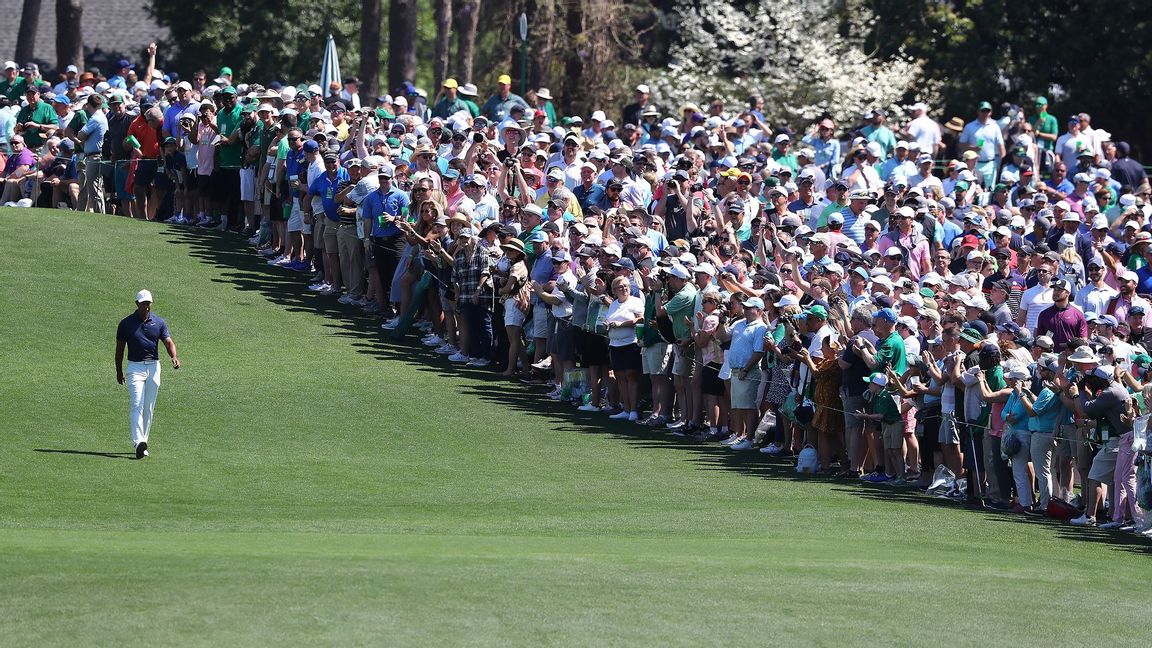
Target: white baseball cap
(143, 296)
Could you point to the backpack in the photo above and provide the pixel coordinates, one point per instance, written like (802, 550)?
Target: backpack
(807, 462)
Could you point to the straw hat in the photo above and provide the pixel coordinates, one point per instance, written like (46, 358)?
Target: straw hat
(514, 245)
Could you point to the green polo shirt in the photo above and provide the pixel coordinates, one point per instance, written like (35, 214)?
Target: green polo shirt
(445, 109)
(13, 90)
(884, 404)
(79, 118)
(890, 353)
(229, 122)
(524, 238)
(681, 307)
(1045, 123)
(41, 114)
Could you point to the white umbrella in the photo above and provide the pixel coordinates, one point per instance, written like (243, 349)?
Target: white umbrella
(330, 67)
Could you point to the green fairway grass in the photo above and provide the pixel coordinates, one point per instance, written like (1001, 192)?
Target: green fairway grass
(314, 483)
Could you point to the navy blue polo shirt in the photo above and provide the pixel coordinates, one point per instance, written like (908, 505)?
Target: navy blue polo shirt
(142, 336)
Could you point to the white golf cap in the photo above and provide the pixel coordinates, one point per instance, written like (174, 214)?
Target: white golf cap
(143, 296)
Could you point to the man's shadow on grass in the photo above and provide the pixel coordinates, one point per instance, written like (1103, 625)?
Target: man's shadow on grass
(246, 271)
(86, 453)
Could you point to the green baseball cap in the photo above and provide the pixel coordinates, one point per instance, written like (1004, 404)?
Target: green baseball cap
(818, 311)
(392, 142)
(225, 71)
(248, 108)
(228, 90)
(382, 113)
(984, 105)
(1041, 101)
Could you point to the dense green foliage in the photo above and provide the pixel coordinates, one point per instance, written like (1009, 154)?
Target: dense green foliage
(1083, 55)
(260, 40)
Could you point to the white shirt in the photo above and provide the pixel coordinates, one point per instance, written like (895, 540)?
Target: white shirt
(926, 132)
(620, 312)
(867, 179)
(1033, 302)
(1091, 299)
(1066, 146)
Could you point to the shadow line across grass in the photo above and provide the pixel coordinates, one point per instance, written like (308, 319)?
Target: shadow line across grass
(248, 272)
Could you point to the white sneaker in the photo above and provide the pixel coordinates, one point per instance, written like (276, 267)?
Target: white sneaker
(479, 362)
(1083, 520)
(1111, 525)
(360, 301)
(433, 340)
(446, 349)
(771, 448)
(588, 407)
(391, 324)
(544, 365)
(633, 416)
(346, 299)
(331, 290)
(459, 357)
(730, 440)
(316, 287)
(674, 423)
(742, 444)
(619, 417)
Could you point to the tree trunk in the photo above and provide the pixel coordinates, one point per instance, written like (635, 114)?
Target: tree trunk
(571, 94)
(401, 43)
(468, 19)
(370, 15)
(442, 12)
(26, 37)
(69, 34)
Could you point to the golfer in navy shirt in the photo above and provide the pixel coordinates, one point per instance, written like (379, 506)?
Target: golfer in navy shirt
(141, 332)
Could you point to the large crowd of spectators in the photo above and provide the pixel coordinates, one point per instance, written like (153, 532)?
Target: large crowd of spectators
(956, 307)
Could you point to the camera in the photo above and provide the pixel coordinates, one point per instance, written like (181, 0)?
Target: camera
(478, 138)
(510, 162)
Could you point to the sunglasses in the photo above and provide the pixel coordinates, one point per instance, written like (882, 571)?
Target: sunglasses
(419, 189)
(743, 183)
(295, 139)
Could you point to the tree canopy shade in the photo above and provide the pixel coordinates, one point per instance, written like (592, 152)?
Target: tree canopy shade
(1084, 55)
(259, 39)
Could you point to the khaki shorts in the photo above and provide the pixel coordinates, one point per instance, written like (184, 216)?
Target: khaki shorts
(684, 360)
(743, 391)
(893, 435)
(318, 229)
(949, 430)
(331, 246)
(656, 360)
(1104, 463)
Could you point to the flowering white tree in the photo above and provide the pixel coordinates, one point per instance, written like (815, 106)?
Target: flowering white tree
(805, 58)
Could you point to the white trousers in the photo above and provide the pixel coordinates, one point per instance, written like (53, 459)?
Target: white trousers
(143, 380)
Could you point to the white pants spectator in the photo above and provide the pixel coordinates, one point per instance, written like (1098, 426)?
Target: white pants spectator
(143, 379)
